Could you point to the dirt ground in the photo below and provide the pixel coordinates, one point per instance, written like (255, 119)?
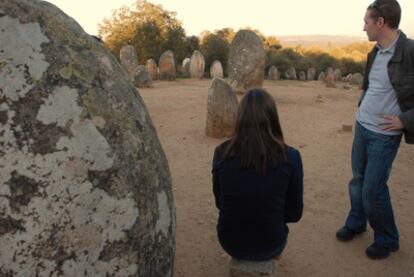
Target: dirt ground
(312, 117)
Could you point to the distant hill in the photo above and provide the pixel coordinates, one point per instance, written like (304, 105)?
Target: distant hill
(320, 40)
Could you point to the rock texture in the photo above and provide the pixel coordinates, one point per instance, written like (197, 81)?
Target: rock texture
(85, 188)
(246, 61)
(166, 66)
(152, 69)
(197, 65)
(129, 58)
(216, 70)
(302, 76)
(185, 68)
(221, 109)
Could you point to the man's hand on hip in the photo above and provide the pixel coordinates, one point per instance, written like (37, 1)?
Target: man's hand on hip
(391, 123)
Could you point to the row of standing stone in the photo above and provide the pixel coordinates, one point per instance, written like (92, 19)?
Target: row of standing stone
(329, 74)
(143, 75)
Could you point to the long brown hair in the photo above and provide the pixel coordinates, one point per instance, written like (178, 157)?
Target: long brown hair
(258, 137)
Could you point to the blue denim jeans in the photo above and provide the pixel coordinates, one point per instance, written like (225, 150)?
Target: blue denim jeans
(372, 157)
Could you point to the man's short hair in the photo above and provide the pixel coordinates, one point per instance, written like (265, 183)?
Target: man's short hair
(390, 10)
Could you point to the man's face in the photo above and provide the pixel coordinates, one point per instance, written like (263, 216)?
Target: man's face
(372, 27)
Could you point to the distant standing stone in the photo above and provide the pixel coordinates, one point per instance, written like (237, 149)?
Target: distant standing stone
(129, 58)
(166, 66)
(311, 73)
(216, 70)
(302, 76)
(290, 74)
(273, 73)
(357, 79)
(152, 69)
(185, 67)
(197, 65)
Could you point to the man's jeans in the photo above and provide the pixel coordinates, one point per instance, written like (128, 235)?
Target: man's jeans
(372, 157)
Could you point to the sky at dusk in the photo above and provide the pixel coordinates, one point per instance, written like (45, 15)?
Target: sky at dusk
(271, 17)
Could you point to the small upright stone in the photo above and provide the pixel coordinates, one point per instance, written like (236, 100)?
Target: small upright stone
(216, 70)
(185, 67)
(129, 58)
(321, 76)
(221, 109)
(197, 65)
(166, 66)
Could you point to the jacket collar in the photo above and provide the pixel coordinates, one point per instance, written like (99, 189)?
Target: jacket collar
(397, 57)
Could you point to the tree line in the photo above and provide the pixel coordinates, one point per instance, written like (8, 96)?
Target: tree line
(151, 29)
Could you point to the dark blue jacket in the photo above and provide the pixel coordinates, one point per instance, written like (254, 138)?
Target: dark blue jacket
(254, 209)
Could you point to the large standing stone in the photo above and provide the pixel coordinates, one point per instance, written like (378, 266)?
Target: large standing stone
(246, 61)
(216, 70)
(197, 65)
(85, 188)
(311, 73)
(129, 58)
(166, 66)
(357, 79)
(290, 74)
(273, 73)
(152, 69)
(221, 109)
(141, 77)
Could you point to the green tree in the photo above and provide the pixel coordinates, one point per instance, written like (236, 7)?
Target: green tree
(148, 27)
(215, 47)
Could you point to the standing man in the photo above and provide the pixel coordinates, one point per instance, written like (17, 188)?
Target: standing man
(386, 111)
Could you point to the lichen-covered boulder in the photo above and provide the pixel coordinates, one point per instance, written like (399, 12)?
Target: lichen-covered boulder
(273, 73)
(197, 65)
(166, 66)
(216, 70)
(85, 188)
(129, 58)
(246, 61)
(311, 74)
(221, 109)
(152, 69)
(141, 77)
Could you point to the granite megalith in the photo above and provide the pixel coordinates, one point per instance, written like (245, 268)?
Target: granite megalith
(129, 59)
(166, 66)
(216, 70)
(197, 65)
(221, 109)
(152, 69)
(85, 188)
(246, 62)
